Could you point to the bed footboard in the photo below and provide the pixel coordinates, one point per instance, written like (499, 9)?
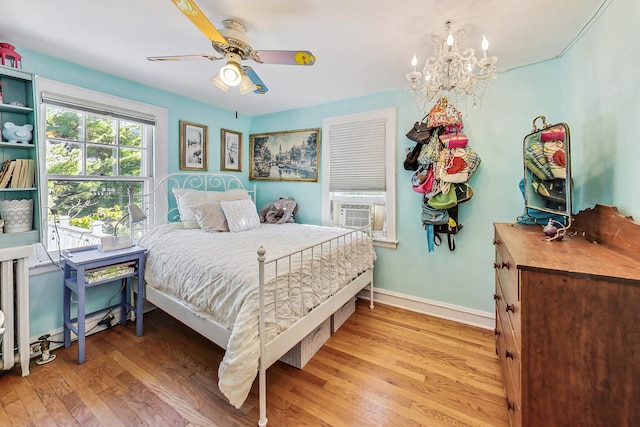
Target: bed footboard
(357, 273)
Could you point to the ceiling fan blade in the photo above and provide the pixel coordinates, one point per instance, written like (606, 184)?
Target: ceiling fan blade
(261, 88)
(286, 57)
(183, 58)
(193, 12)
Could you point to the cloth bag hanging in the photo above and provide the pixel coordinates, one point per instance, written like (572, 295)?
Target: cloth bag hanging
(444, 114)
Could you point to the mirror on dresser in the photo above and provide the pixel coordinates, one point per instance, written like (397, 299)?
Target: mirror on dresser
(547, 171)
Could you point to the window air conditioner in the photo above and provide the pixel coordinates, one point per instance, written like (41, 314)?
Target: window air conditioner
(354, 215)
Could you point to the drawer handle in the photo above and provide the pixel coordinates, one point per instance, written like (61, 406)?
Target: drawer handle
(506, 265)
(497, 297)
(496, 332)
(496, 242)
(508, 354)
(511, 308)
(511, 406)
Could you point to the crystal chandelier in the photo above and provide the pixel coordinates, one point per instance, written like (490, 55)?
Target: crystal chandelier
(451, 73)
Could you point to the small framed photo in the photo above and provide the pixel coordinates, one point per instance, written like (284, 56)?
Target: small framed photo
(230, 150)
(193, 146)
(291, 155)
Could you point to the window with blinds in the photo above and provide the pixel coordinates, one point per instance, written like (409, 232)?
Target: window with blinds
(358, 172)
(93, 152)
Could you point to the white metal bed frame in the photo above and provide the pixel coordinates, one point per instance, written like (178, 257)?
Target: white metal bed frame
(161, 208)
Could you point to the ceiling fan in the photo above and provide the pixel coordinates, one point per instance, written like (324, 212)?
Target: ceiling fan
(234, 46)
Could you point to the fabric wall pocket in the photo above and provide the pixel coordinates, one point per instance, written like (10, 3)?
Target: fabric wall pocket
(454, 140)
(463, 191)
(555, 155)
(411, 162)
(536, 161)
(553, 134)
(433, 216)
(452, 167)
(444, 200)
(420, 132)
(431, 150)
(472, 159)
(423, 179)
(450, 229)
(444, 114)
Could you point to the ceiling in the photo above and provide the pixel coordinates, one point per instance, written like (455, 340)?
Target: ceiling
(362, 46)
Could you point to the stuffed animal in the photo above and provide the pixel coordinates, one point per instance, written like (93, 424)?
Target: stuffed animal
(280, 211)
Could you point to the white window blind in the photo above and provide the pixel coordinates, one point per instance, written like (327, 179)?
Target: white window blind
(357, 156)
(65, 101)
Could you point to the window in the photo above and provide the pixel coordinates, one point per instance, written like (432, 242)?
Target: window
(93, 147)
(358, 173)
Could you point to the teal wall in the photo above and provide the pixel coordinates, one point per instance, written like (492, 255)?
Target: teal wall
(593, 88)
(601, 90)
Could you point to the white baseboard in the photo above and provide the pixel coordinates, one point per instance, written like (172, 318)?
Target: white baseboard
(456, 313)
(469, 316)
(56, 338)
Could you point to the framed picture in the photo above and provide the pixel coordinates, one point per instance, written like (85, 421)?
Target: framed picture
(285, 156)
(193, 147)
(230, 150)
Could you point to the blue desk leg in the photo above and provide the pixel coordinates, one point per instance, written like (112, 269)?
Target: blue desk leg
(67, 308)
(81, 315)
(123, 300)
(139, 297)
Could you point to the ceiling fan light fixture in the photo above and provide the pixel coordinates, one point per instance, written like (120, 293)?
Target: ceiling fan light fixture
(231, 74)
(246, 85)
(216, 81)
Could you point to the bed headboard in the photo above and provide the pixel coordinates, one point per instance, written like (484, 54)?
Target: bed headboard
(160, 204)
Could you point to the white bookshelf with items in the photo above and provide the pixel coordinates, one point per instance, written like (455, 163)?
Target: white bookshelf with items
(19, 203)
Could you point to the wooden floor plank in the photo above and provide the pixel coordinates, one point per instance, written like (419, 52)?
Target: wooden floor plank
(383, 367)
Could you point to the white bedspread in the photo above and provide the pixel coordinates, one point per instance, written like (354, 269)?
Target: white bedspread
(216, 274)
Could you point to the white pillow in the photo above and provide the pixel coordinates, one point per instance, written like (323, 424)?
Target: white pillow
(241, 215)
(210, 216)
(187, 198)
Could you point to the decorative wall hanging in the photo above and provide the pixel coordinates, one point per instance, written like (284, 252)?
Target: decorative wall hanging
(285, 156)
(452, 163)
(230, 150)
(193, 146)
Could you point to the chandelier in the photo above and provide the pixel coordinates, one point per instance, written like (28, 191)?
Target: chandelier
(451, 73)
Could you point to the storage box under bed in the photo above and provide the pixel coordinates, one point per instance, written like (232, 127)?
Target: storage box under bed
(302, 352)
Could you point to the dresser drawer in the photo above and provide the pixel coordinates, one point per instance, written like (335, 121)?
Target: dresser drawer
(510, 309)
(510, 372)
(506, 270)
(509, 354)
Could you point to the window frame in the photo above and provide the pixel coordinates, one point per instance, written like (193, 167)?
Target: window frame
(154, 168)
(389, 115)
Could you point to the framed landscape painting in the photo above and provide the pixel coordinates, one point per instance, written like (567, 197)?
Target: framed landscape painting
(230, 150)
(285, 156)
(193, 146)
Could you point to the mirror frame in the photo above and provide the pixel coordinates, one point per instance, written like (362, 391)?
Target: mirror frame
(532, 199)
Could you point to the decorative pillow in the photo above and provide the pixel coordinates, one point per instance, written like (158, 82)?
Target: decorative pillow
(241, 214)
(235, 194)
(187, 198)
(210, 216)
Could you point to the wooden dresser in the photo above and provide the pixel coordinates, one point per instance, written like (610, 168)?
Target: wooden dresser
(568, 321)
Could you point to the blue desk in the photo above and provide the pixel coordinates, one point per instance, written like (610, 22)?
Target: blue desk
(81, 261)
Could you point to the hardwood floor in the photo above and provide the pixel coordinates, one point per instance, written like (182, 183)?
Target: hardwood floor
(383, 367)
